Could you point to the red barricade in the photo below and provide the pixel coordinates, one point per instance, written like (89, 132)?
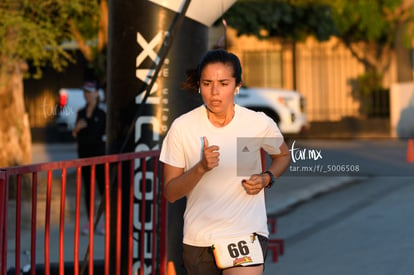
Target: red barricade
(150, 204)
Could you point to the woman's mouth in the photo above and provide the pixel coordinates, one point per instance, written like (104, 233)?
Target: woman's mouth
(215, 102)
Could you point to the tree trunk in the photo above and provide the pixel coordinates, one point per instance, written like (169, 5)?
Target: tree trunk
(403, 55)
(15, 137)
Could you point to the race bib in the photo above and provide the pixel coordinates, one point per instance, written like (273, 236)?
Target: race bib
(241, 251)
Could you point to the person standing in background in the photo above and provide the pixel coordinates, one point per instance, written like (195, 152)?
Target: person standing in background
(89, 132)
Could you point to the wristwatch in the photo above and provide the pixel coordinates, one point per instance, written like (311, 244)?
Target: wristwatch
(272, 178)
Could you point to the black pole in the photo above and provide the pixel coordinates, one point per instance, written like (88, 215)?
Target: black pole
(136, 32)
(294, 63)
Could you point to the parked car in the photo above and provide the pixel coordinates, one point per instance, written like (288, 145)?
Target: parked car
(70, 101)
(285, 107)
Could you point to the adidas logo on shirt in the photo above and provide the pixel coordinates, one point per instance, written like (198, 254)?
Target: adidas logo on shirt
(245, 149)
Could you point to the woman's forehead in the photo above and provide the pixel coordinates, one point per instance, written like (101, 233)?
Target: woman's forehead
(217, 71)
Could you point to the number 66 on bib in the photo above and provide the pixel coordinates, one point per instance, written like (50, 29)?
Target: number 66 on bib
(240, 251)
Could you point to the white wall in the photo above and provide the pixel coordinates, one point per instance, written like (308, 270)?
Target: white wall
(402, 110)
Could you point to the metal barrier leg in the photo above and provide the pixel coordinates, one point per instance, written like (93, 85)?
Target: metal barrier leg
(279, 243)
(277, 246)
(3, 220)
(275, 253)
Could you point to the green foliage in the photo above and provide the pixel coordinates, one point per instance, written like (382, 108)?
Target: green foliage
(374, 98)
(36, 30)
(367, 27)
(362, 20)
(374, 24)
(352, 21)
(368, 82)
(282, 18)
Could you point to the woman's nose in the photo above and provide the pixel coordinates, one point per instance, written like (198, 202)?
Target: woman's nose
(214, 89)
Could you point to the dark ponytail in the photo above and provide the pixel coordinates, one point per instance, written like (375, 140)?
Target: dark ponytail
(191, 81)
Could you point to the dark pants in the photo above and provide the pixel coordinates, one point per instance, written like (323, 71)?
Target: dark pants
(200, 260)
(99, 181)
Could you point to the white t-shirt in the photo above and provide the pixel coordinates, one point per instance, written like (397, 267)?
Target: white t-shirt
(218, 207)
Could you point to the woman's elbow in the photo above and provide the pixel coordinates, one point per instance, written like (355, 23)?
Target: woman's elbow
(287, 159)
(169, 198)
(169, 195)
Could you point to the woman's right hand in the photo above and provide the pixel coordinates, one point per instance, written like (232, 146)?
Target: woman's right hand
(81, 124)
(178, 183)
(211, 156)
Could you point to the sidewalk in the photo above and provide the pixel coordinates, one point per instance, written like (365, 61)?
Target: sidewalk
(288, 192)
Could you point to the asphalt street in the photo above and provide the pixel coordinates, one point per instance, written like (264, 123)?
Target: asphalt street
(363, 229)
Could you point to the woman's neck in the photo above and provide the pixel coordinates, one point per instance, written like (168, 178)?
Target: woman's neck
(220, 119)
(90, 107)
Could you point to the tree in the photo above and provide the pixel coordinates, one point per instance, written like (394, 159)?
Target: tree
(371, 30)
(34, 32)
(287, 19)
(367, 28)
(96, 28)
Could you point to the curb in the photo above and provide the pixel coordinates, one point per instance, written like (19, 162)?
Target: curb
(285, 198)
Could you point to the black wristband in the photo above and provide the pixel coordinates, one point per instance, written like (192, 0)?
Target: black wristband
(272, 178)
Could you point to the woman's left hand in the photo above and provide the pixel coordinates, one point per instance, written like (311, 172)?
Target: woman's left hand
(254, 184)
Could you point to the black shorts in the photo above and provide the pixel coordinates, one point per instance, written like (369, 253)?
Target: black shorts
(200, 260)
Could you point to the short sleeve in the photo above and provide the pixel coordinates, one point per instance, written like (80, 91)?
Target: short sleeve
(272, 137)
(172, 152)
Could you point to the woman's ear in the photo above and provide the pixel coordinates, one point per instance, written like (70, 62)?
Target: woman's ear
(238, 89)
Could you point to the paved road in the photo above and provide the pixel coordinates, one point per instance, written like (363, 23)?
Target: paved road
(43, 152)
(364, 229)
